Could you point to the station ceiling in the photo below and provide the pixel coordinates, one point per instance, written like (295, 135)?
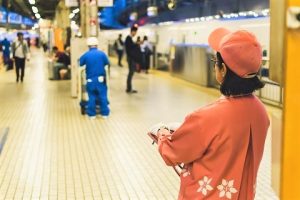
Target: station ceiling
(46, 7)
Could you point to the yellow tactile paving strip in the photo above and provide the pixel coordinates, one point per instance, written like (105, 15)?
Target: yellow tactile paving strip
(53, 152)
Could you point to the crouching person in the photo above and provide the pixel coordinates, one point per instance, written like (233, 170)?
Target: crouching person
(95, 61)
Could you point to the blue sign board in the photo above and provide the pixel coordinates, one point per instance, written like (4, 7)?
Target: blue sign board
(14, 18)
(3, 16)
(28, 21)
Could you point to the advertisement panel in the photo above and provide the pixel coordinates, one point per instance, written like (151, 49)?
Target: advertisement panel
(3, 16)
(71, 3)
(105, 3)
(14, 18)
(28, 21)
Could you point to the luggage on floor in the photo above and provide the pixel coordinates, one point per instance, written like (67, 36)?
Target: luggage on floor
(10, 64)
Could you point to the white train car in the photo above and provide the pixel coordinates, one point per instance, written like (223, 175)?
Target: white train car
(164, 34)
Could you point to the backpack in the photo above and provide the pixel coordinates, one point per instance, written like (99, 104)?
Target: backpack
(148, 51)
(115, 46)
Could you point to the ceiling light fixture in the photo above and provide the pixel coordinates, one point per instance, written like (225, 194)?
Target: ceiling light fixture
(32, 2)
(152, 11)
(133, 16)
(76, 10)
(34, 9)
(71, 15)
(37, 15)
(172, 4)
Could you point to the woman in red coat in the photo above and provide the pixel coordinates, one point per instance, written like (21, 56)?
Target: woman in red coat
(221, 144)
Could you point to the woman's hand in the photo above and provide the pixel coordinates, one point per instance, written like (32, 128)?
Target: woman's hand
(163, 133)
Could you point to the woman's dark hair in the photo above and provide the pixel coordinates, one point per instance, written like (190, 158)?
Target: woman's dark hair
(235, 85)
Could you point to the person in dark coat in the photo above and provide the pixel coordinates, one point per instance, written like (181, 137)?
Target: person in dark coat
(132, 57)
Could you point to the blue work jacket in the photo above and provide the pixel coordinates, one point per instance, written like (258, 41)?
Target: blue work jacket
(95, 62)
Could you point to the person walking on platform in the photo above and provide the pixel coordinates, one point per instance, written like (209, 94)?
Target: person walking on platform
(132, 58)
(20, 53)
(95, 62)
(221, 145)
(119, 46)
(6, 53)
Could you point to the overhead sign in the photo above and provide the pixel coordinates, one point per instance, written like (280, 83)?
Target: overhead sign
(105, 3)
(14, 18)
(28, 21)
(71, 3)
(3, 16)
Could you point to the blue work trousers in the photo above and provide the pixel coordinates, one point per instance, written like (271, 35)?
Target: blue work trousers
(97, 93)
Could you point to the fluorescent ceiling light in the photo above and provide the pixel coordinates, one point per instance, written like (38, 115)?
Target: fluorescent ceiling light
(32, 2)
(76, 10)
(152, 11)
(37, 15)
(34, 9)
(71, 15)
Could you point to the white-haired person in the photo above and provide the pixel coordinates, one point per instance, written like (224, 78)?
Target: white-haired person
(95, 62)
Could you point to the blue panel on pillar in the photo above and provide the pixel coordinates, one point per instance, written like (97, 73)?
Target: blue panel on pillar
(3, 15)
(109, 15)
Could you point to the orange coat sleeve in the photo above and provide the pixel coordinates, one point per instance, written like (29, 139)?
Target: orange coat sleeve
(188, 143)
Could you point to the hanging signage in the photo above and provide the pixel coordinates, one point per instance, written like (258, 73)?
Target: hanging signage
(28, 21)
(105, 3)
(3, 16)
(71, 3)
(14, 18)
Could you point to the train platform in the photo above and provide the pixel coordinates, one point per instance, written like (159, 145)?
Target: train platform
(53, 152)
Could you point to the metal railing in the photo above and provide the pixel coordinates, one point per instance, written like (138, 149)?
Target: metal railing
(272, 93)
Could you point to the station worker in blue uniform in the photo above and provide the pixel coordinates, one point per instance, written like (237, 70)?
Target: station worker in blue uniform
(95, 61)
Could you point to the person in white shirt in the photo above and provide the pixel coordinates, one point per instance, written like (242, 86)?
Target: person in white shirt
(119, 46)
(146, 49)
(20, 53)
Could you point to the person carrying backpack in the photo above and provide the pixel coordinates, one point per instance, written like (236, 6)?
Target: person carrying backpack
(20, 54)
(119, 47)
(146, 49)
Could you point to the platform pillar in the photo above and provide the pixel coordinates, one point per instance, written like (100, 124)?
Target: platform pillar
(290, 176)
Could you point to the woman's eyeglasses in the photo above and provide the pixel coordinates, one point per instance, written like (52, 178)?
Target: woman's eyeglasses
(214, 61)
